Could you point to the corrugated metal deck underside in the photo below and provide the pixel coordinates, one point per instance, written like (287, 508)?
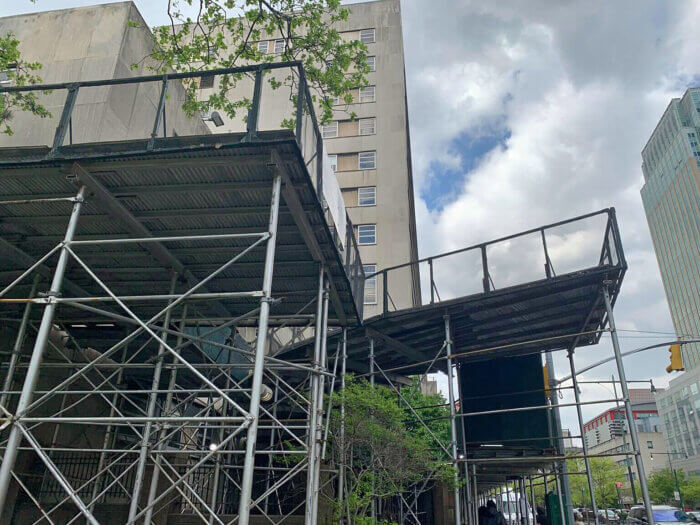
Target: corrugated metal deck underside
(518, 320)
(186, 186)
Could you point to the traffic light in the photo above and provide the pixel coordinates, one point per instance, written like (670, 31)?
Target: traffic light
(545, 376)
(676, 359)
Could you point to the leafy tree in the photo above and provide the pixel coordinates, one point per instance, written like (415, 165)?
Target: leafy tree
(662, 485)
(21, 73)
(383, 449)
(214, 39)
(605, 473)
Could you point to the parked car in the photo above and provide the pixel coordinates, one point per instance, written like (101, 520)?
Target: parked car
(662, 514)
(608, 515)
(695, 514)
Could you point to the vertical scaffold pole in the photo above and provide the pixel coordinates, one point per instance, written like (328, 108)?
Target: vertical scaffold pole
(318, 425)
(628, 409)
(373, 505)
(341, 466)
(167, 407)
(469, 515)
(587, 461)
(260, 343)
(42, 338)
(17, 348)
(151, 411)
(563, 483)
(534, 503)
(453, 422)
(312, 444)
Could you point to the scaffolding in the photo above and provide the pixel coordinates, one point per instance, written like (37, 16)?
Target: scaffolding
(149, 294)
(171, 302)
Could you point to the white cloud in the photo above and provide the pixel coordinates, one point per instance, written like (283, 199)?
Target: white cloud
(579, 86)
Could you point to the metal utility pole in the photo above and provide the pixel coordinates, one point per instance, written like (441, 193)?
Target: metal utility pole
(628, 409)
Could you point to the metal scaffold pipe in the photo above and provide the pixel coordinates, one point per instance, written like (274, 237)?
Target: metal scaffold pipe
(260, 344)
(30, 381)
(628, 409)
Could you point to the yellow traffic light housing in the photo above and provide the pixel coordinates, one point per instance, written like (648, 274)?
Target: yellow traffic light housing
(676, 359)
(545, 376)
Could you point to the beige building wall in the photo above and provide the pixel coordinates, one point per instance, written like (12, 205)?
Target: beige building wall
(93, 43)
(382, 128)
(650, 444)
(394, 213)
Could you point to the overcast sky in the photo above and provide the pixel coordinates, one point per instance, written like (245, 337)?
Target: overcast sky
(528, 112)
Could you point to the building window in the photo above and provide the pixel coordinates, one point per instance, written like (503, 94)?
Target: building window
(330, 130)
(262, 46)
(368, 126)
(367, 196)
(367, 234)
(370, 284)
(333, 161)
(650, 444)
(279, 47)
(367, 36)
(367, 94)
(367, 160)
(372, 64)
(206, 82)
(6, 76)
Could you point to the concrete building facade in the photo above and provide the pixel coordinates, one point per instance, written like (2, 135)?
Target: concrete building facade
(93, 43)
(650, 443)
(368, 145)
(373, 156)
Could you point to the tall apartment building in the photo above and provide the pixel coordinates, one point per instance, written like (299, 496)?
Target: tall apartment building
(368, 146)
(372, 156)
(671, 196)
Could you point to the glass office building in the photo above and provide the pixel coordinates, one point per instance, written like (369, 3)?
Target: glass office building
(671, 196)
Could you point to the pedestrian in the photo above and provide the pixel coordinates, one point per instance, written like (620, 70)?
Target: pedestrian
(482, 513)
(542, 518)
(493, 516)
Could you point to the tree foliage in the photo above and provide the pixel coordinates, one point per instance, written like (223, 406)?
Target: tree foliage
(384, 450)
(662, 486)
(21, 73)
(605, 473)
(225, 34)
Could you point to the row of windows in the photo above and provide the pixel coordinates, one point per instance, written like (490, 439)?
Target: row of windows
(361, 95)
(364, 160)
(349, 128)
(275, 47)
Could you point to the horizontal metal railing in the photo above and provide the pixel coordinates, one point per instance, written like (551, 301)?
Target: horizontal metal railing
(307, 133)
(611, 254)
